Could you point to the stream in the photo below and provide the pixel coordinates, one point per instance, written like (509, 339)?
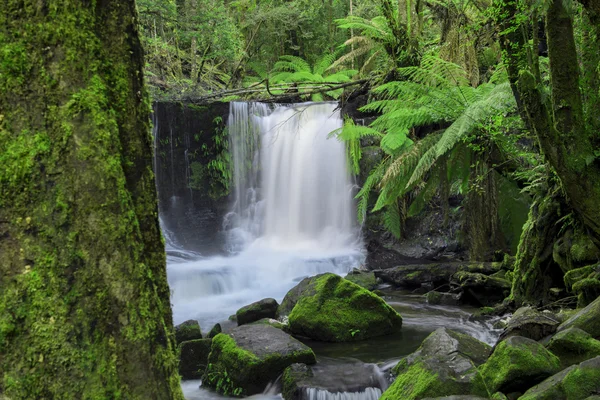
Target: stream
(293, 216)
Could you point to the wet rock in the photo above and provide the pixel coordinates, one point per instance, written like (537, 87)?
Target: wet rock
(333, 309)
(193, 358)
(188, 330)
(348, 376)
(447, 299)
(530, 323)
(215, 331)
(573, 346)
(515, 365)
(365, 280)
(481, 289)
(292, 297)
(445, 364)
(580, 381)
(265, 308)
(271, 322)
(587, 319)
(446, 343)
(250, 356)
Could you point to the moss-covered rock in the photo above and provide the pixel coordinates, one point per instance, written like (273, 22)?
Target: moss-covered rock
(587, 319)
(265, 308)
(573, 346)
(447, 343)
(515, 365)
(365, 280)
(577, 382)
(530, 323)
(458, 397)
(188, 330)
(334, 309)
(449, 299)
(193, 358)
(215, 331)
(244, 361)
(445, 364)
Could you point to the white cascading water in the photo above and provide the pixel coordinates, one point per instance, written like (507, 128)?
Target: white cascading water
(293, 214)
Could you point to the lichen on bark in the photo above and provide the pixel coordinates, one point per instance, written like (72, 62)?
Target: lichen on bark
(84, 308)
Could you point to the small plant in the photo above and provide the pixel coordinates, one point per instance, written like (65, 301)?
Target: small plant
(222, 382)
(353, 332)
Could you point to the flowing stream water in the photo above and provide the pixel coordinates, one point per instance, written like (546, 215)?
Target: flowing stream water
(293, 216)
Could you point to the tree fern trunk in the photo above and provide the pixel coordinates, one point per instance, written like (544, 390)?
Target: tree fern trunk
(84, 306)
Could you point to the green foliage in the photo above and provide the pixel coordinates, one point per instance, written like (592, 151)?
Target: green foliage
(222, 382)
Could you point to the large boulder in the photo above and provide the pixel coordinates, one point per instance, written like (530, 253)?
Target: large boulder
(244, 361)
(587, 319)
(188, 330)
(530, 323)
(193, 358)
(333, 309)
(302, 382)
(515, 365)
(265, 308)
(573, 346)
(577, 382)
(445, 364)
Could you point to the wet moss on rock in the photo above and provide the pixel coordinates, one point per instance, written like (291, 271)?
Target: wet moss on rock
(334, 309)
(573, 346)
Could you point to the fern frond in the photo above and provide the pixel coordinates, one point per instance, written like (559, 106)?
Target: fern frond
(392, 220)
(292, 63)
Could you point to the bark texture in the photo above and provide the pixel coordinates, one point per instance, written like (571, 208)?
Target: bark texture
(84, 304)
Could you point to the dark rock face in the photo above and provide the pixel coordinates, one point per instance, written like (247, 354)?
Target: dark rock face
(188, 330)
(192, 208)
(251, 356)
(193, 358)
(447, 299)
(576, 382)
(530, 323)
(265, 308)
(215, 331)
(350, 377)
(481, 289)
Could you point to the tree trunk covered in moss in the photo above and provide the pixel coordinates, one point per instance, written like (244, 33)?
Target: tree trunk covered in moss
(566, 125)
(84, 304)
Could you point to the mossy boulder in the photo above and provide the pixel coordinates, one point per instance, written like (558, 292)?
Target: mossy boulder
(515, 365)
(294, 294)
(459, 397)
(333, 309)
(244, 361)
(188, 330)
(573, 346)
(193, 358)
(530, 323)
(363, 279)
(215, 331)
(265, 308)
(447, 343)
(445, 364)
(587, 319)
(577, 382)
(447, 299)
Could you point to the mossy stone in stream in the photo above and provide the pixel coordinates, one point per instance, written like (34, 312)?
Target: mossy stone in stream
(573, 346)
(265, 308)
(365, 280)
(587, 319)
(244, 361)
(188, 330)
(515, 365)
(577, 382)
(333, 309)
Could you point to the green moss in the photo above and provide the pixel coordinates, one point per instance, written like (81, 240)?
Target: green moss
(587, 290)
(419, 381)
(365, 280)
(575, 275)
(573, 346)
(516, 362)
(189, 330)
(335, 309)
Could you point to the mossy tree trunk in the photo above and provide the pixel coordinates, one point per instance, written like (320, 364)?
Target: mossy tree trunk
(84, 304)
(566, 123)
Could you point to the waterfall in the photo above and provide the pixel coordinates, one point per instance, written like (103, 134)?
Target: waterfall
(293, 188)
(292, 214)
(319, 394)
